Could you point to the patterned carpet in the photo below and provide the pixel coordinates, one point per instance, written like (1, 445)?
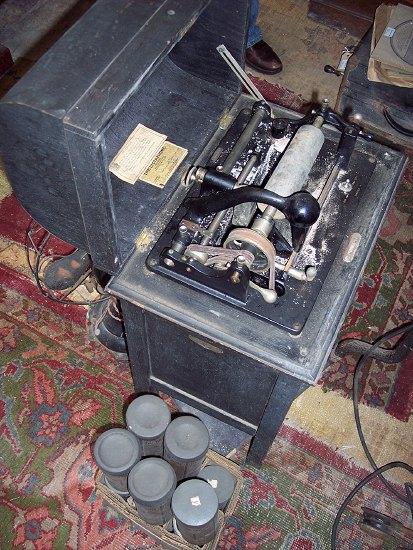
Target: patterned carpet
(58, 389)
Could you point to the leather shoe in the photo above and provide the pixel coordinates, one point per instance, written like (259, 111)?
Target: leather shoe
(263, 58)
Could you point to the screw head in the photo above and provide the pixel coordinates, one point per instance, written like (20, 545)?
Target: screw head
(169, 262)
(235, 278)
(171, 12)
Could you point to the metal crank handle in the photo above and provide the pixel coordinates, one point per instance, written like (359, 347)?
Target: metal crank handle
(270, 296)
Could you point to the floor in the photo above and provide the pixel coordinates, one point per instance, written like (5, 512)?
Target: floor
(304, 47)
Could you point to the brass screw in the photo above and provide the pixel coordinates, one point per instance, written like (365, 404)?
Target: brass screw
(235, 278)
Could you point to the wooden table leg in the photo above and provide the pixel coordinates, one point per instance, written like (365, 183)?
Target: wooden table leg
(285, 390)
(6, 61)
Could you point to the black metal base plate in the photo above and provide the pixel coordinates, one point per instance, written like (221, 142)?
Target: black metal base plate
(320, 249)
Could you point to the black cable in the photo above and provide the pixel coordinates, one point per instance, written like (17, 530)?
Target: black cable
(356, 380)
(35, 271)
(357, 488)
(377, 471)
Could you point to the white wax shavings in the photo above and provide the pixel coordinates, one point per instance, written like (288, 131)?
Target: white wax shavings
(196, 501)
(213, 483)
(215, 312)
(281, 144)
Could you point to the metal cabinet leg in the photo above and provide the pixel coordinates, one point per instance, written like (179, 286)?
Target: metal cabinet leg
(285, 390)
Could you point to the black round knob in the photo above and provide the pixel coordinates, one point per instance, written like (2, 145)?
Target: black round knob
(261, 105)
(303, 209)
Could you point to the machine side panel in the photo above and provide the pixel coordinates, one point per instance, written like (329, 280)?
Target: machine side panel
(138, 59)
(82, 54)
(34, 153)
(95, 197)
(220, 23)
(186, 98)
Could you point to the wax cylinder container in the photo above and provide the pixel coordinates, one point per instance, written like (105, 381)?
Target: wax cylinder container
(148, 417)
(124, 494)
(185, 446)
(195, 510)
(222, 481)
(151, 484)
(116, 451)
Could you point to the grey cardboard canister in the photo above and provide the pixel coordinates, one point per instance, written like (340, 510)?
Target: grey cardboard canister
(148, 417)
(185, 445)
(151, 484)
(116, 451)
(195, 509)
(221, 480)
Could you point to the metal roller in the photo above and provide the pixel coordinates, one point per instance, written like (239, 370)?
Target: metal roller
(293, 169)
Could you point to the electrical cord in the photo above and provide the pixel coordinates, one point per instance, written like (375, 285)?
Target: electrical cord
(35, 269)
(377, 471)
(356, 382)
(356, 489)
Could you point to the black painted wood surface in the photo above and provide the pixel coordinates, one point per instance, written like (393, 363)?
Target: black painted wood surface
(64, 121)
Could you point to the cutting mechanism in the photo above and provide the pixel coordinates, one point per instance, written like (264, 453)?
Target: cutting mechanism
(251, 230)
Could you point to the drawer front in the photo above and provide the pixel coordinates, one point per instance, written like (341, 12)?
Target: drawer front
(208, 371)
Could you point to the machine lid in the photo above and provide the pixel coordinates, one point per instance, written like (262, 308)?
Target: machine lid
(85, 82)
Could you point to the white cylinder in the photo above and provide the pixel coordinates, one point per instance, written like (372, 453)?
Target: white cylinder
(293, 169)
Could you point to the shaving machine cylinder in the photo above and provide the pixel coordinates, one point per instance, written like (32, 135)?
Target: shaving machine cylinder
(291, 173)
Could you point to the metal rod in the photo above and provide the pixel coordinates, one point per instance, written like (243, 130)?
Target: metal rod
(239, 72)
(245, 172)
(244, 139)
(218, 218)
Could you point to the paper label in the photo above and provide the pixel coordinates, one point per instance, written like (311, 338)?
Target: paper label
(213, 483)
(164, 164)
(137, 153)
(389, 31)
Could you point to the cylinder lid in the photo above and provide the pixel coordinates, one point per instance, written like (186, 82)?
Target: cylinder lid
(194, 503)
(148, 416)
(116, 451)
(151, 480)
(222, 481)
(187, 438)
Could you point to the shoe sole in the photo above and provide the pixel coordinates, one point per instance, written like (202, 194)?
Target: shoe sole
(263, 71)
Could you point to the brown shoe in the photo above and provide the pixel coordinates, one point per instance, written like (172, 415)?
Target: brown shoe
(263, 58)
